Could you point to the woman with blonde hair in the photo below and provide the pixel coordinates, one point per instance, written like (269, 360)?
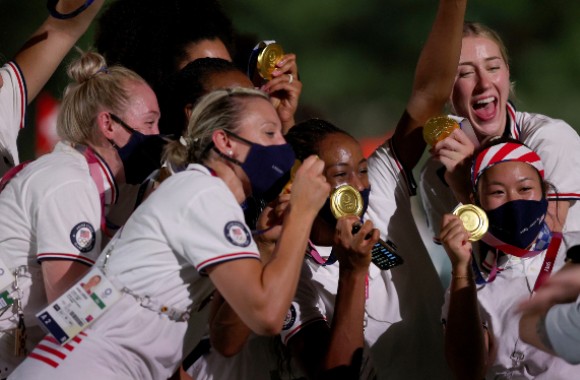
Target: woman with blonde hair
(188, 239)
(55, 208)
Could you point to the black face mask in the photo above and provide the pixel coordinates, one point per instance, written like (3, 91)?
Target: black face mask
(267, 167)
(141, 155)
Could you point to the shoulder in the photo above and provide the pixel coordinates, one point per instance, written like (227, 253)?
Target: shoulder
(534, 124)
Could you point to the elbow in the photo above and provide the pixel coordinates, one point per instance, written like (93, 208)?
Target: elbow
(268, 325)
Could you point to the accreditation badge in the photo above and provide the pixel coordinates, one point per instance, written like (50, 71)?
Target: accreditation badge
(79, 306)
(6, 277)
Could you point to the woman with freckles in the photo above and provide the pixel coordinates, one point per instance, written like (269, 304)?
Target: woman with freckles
(481, 97)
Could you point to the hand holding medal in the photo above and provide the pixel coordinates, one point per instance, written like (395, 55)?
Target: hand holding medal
(474, 220)
(345, 200)
(438, 128)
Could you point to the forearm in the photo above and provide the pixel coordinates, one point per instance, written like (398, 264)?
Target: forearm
(465, 345)
(281, 273)
(60, 275)
(347, 334)
(434, 78)
(533, 331)
(47, 47)
(228, 333)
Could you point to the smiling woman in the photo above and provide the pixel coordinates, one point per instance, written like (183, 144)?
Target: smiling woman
(480, 97)
(513, 260)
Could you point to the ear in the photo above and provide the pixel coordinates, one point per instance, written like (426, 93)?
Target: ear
(472, 198)
(188, 109)
(222, 141)
(105, 124)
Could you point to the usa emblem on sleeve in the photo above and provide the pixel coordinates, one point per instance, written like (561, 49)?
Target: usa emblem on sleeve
(82, 236)
(290, 318)
(237, 234)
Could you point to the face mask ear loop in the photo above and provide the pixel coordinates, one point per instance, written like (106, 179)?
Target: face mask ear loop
(224, 156)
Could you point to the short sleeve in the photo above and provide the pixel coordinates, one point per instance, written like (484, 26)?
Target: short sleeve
(68, 223)
(385, 176)
(305, 308)
(211, 229)
(558, 145)
(12, 110)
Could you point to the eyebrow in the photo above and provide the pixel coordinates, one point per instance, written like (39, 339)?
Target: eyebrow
(470, 63)
(345, 164)
(503, 183)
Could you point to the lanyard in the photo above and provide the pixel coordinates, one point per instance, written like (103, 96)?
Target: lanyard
(311, 250)
(97, 176)
(547, 264)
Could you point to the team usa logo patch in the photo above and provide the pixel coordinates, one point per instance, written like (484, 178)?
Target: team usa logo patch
(290, 318)
(83, 237)
(237, 233)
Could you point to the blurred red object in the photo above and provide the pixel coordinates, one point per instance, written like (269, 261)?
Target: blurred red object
(45, 124)
(370, 144)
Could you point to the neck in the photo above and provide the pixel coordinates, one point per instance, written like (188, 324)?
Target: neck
(321, 234)
(111, 157)
(229, 176)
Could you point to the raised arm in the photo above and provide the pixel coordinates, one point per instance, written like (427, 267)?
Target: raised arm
(43, 52)
(466, 341)
(434, 78)
(261, 295)
(327, 352)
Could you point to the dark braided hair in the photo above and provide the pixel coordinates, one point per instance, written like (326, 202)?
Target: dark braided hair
(305, 137)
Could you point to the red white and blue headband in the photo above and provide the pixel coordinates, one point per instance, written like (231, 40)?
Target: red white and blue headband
(504, 152)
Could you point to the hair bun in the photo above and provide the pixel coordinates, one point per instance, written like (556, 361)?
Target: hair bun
(87, 66)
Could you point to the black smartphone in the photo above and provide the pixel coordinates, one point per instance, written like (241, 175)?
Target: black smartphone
(384, 255)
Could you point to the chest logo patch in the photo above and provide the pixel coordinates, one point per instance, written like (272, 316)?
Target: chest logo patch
(237, 234)
(83, 237)
(290, 318)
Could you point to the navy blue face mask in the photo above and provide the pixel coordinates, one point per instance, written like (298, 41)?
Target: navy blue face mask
(326, 213)
(141, 155)
(267, 167)
(518, 222)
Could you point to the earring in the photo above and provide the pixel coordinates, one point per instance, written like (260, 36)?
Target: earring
(230, 153)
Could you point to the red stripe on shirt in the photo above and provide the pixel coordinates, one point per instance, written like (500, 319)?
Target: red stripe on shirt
(46, 360)
(22, 91)
(50, 350)
(228, 257)
(69, 256)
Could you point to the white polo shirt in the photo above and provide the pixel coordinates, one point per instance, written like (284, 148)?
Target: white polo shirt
(316, 296)
(50, 210)
(498, 305)
(12, 110)
(413, 347)
(192, 221)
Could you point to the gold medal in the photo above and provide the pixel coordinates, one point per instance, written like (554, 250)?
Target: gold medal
(437, 128)
(345, 200)
(270, 55)
(474, 220)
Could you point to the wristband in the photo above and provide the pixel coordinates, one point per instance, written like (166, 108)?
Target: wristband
(51, 5)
